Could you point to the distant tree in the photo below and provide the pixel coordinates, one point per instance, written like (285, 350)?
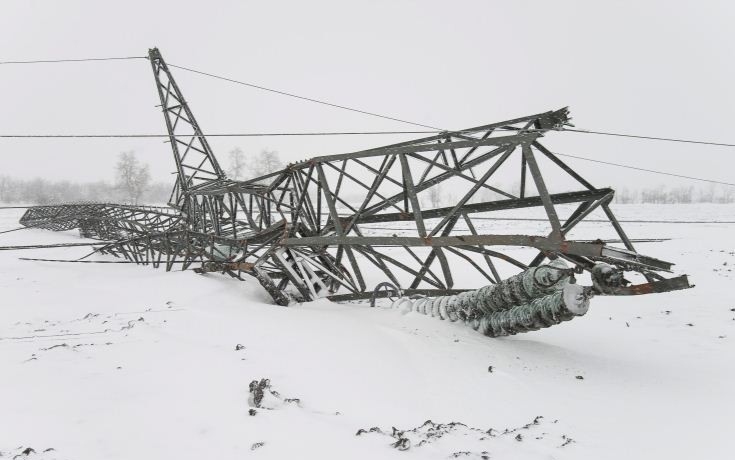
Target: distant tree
(707, 195)
(267, 162)
(681, 195)
(244, 166)
(435, 196)
(5, 188)
(238, 164)
(727, 195)
(625, 196)
(99, 191)
(37, 191)
(132, 178)
(157, 193)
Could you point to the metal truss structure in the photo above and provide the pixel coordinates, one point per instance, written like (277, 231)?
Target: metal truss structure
(102, 221)
(318, 227)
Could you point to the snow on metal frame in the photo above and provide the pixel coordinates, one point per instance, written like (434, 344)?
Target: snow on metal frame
(298, 230)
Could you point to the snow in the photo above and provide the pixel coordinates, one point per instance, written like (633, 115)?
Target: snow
(118, 361)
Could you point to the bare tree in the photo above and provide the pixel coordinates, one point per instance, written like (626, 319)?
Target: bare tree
(728, 194)
(238, 164)
(38, 191)
(267, 162)
(132, 177)
(707, 195)
(244, 166)
(5, 188)
(625, 196)
(435, 196)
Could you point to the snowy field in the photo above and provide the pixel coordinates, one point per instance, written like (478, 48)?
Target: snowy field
(116, 361)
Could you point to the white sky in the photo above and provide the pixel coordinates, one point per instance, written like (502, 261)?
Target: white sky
(661, 68)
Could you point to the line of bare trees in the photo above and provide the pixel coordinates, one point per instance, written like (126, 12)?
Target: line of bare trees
(712, 193)
(247, 166)
(439, 196)
(132, 185)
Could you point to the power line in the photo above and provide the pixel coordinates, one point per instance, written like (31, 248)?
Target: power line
(115, 136)
(46, 246)
(91, 261)
(284, 93)
(531, 219)
(321, 133)
(344, 133)
(252, 85)
(633, 221)
(219, 77)
(646, 170)
(79, 261)
(309, 99)
(56, 61)
(15, 229)
(317, 101)
(667, 139)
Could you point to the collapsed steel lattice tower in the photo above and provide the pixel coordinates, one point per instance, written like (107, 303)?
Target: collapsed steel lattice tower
(304, 232)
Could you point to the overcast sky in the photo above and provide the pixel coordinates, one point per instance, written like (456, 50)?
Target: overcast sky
(661, 68)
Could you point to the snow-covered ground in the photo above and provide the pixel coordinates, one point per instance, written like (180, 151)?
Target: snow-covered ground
(116, 361)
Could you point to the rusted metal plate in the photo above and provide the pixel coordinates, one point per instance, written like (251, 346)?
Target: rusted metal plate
(654, 287)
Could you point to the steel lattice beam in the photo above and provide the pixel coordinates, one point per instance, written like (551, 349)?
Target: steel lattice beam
(301, 231)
